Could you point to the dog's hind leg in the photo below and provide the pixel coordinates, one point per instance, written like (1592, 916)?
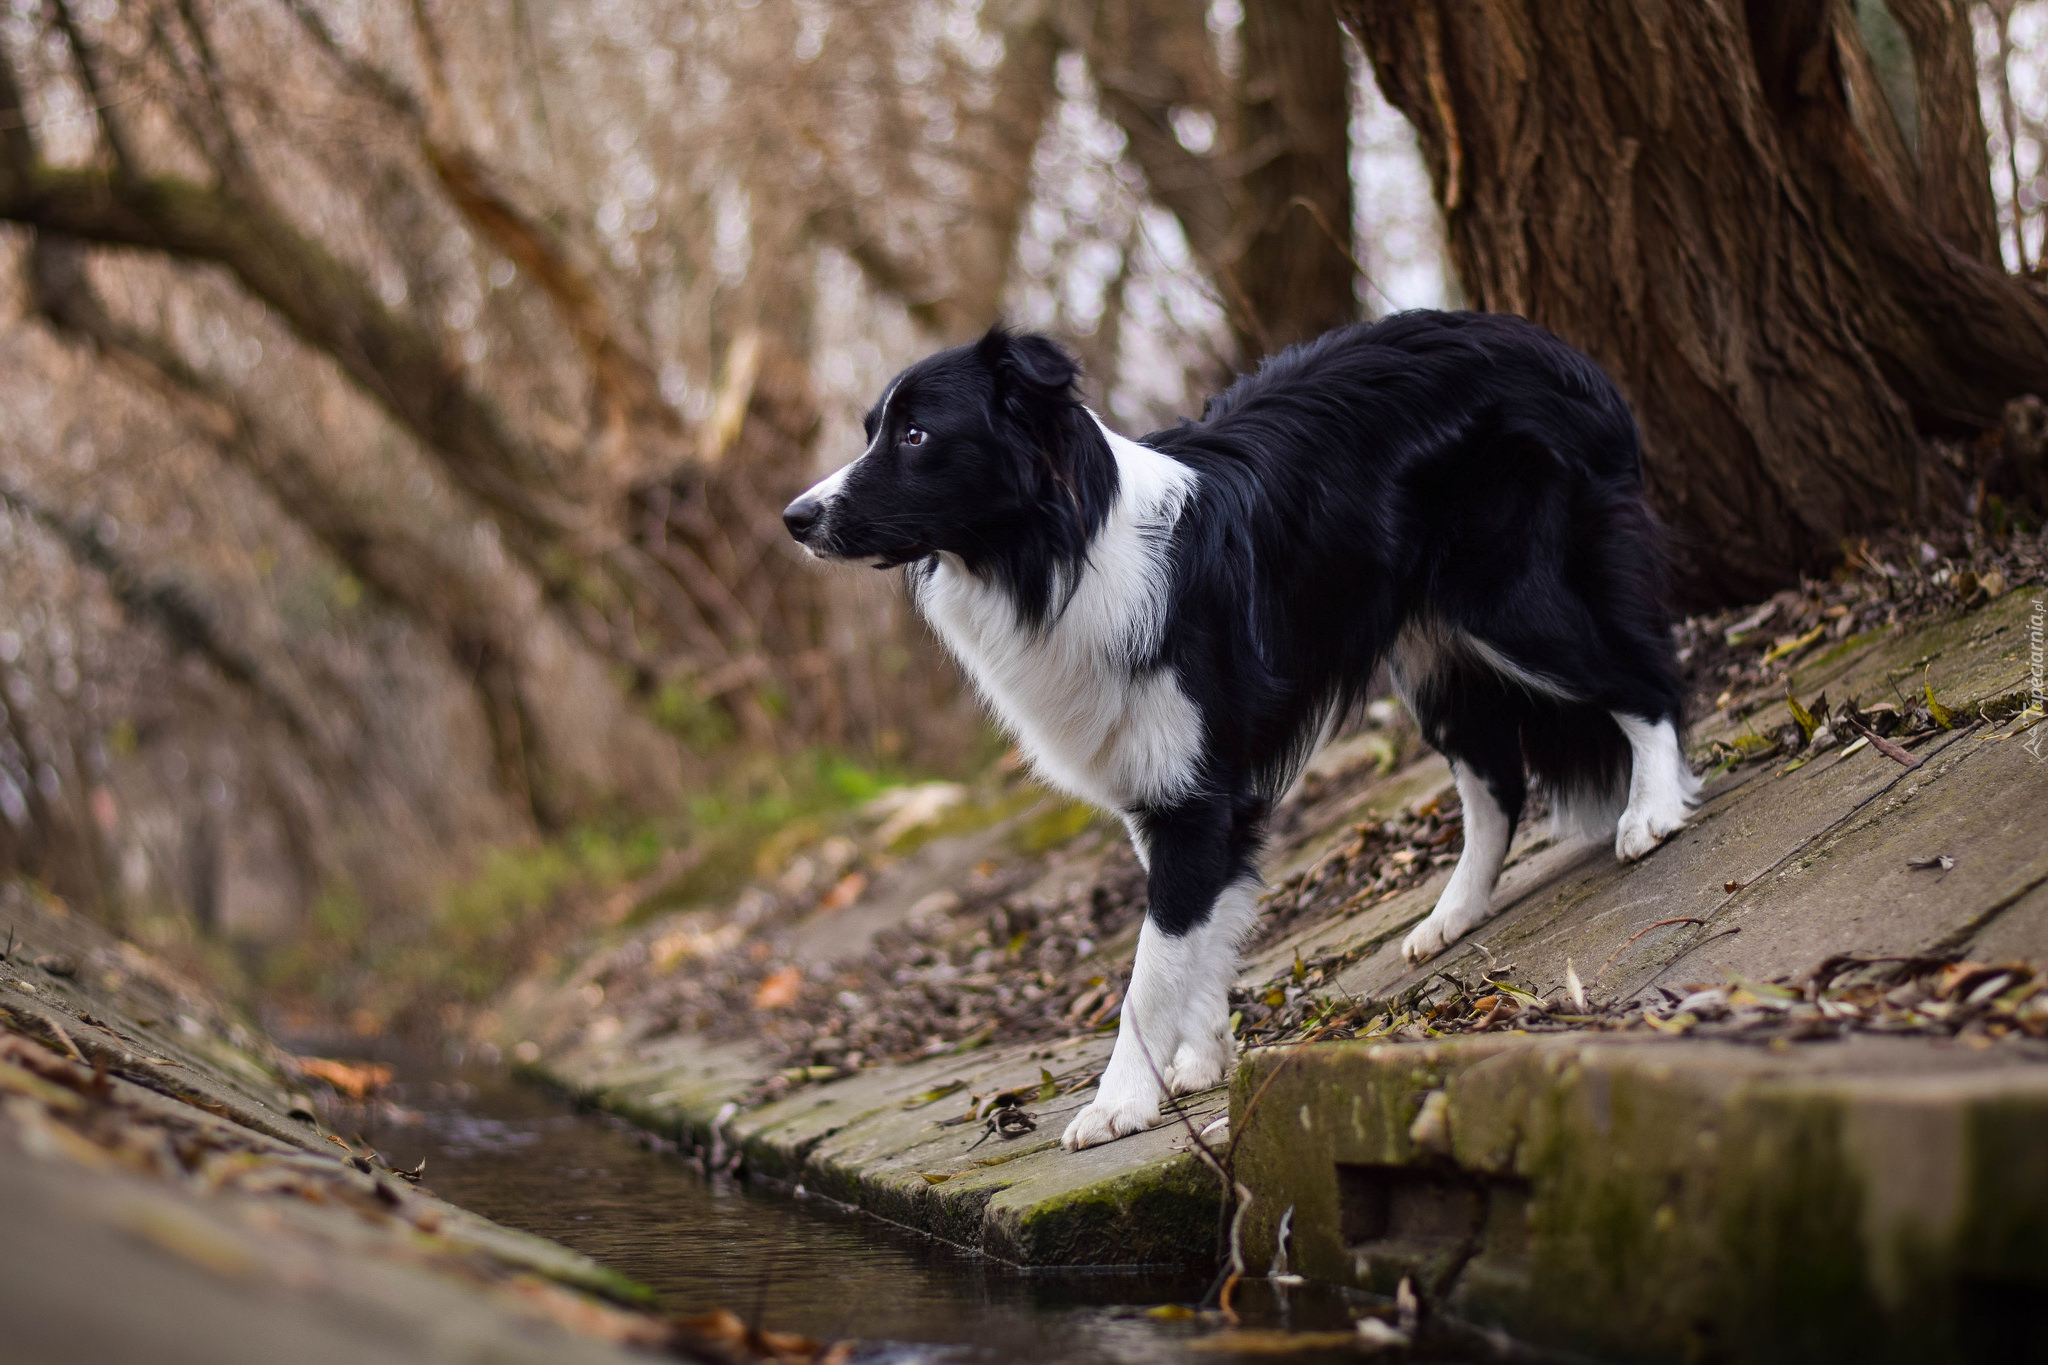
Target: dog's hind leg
(1482, 740)
(1174, 1033)
(1661, 786)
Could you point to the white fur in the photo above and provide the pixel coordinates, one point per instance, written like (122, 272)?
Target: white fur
(1175, 1026)
(1426, 645)
(1661, 787)
(1590, 812)
(1467, 898)
(1541, 684)
(1090, 722)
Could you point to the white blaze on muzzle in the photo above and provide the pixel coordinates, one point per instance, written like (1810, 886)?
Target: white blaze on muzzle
(820, 496)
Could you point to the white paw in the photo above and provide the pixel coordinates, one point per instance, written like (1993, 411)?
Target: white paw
(1425, 940)
(1201, 1063)
(1642, 830)
(1449, 922)
(1108, 1119)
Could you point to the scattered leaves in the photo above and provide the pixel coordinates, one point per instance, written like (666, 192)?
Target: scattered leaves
(934, 1095)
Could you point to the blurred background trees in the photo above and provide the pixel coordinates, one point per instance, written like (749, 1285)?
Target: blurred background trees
(400, 396)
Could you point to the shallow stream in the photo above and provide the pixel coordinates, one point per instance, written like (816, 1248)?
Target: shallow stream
(523, 1157)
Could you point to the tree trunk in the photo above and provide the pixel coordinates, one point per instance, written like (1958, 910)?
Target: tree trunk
(1707, 198)
(1267, 209)
(1293, 263)
(1954, 163)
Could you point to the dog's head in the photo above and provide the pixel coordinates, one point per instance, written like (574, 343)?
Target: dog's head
(971, 453)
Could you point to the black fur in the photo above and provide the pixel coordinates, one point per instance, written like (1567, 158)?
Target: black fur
(1462, 472)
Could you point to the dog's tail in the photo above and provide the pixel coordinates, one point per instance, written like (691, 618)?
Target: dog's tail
(1581, 761)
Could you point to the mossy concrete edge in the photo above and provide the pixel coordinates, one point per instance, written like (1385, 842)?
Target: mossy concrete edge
(1142, 1202)
(1878, 1199)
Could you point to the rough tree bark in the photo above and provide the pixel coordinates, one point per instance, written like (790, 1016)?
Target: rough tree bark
(1954, 182)
(1293, 110)
(1702, 196)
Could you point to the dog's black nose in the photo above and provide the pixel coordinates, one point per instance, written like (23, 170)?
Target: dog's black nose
(802, 515)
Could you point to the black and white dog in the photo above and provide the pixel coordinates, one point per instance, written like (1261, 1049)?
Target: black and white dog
(1170, 626)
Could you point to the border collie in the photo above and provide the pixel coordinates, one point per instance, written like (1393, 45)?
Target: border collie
(1169, 627)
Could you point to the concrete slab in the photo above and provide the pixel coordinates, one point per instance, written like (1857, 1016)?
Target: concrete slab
(1871, 1199)
(899, 1143)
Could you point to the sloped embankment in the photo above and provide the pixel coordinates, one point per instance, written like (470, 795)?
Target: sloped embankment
(168, 1197)
(906, 1018)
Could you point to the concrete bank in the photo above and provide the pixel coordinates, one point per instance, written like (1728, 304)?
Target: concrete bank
(166, 1196)
(1871, 1199)
(902, 1143)
(1788, 862)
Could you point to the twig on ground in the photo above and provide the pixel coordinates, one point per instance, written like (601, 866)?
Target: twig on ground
(1883, 745)
(1676, 919)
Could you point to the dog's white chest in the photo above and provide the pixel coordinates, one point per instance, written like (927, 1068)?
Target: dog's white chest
(1091, 721)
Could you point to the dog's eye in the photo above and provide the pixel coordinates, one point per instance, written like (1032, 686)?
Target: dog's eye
(914, 436)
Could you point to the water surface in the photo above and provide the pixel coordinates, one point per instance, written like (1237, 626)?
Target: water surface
(519, 1155)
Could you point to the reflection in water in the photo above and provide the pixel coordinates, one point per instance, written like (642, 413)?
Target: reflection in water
(514, 1154)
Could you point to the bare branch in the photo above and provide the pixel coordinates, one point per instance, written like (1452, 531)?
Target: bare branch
(395, 360)
(223, 144)
(482, 625)
(627, 386)
(87, 66)
(1150, 59)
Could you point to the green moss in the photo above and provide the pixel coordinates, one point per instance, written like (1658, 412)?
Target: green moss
(1162, 1214)
(1791, 1219)
(1059, 824)
(703, 725)
(969, 817)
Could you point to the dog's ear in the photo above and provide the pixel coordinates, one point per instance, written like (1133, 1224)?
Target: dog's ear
(1027, 364)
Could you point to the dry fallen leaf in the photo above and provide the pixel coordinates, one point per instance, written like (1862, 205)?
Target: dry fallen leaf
(1940, 861)
(779, 989)
(845, 892)
(353, 1079)
(733, 1339)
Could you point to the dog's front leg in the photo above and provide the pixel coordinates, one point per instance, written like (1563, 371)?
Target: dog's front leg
(1175, 1031)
